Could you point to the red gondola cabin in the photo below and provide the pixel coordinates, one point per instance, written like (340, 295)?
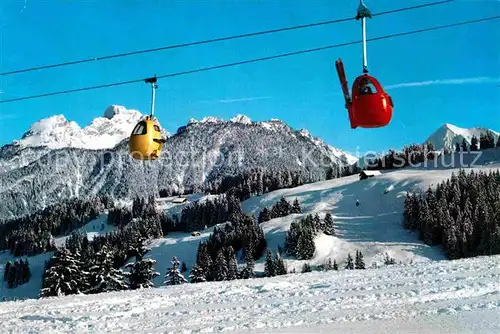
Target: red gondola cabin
(371, 106)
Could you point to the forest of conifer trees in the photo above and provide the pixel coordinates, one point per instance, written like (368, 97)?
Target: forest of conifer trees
(462, 214)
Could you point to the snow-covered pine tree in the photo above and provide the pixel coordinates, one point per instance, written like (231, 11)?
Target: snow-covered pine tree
(279, 265)
(220, 267)
(173, 275)
(103, 277)
(465, 147)
(329, 225)
(141, 273)
(407, 211)
(284, 208)
(306, 268)
(389, 260)
(335, 265)
(474, 144)
(197, 274)
(204, 261)
(248, 270)
(269, 269)
(296, 207)
(305, 244)
(232, 264)
(264, 215)
(317, 224)
(451, 245)
(359, 263)
(425, 219)
(291, 239)
(64, 276)
(349, 264)
(489, 140)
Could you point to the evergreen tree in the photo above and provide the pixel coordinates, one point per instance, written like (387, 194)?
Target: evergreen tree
(359, 263)
(65, 276)
(248, 270)
(26, 272)
(464, 145)
(306, 268)
(296, 207)
(264, 215)
(305, 245)
(291, 239)
(197, 274)
(103, 277)
(220, 267)
(6, 271)
(328, 223)
(232, 264)
(408, 211)
(204, 261)
(389, 260)
(349, 264)
(328, 265)
(335, 265)
(284, 208)
(457, 147)
(279, 265)
(316, 223)
(141, 273)
(173, 275)
(486, 140)
(474, 144)
(269, 269)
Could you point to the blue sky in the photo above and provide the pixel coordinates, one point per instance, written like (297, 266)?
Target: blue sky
(453, 73)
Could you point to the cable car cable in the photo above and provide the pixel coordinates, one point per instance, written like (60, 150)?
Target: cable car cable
(220, 39)
(253, 60)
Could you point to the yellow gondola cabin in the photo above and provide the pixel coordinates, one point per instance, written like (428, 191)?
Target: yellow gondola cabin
(146, 140)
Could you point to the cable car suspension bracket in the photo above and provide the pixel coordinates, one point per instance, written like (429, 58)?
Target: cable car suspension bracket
(363, 13)
(152, 81)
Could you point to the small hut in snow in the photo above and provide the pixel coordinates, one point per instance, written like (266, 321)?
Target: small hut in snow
(368, 173)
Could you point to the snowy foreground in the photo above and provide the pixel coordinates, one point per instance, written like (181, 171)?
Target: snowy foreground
(460, 296)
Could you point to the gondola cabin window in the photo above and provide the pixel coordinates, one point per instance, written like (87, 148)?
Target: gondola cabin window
(140, 129)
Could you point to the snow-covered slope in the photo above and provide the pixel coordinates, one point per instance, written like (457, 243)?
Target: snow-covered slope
(461, 296)
(103, 133)
(374, 228)
(448, 135)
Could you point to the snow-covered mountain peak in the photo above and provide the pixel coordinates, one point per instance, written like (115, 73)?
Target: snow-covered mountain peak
(305, 133)
(205, 120)
(211, 119)
(54, 129)
(105, 132)
(241, 119)
(448, 135)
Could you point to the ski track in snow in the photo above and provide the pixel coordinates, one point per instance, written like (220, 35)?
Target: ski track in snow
(319, 301)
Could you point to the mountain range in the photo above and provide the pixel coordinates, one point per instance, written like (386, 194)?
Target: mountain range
(56, 158)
